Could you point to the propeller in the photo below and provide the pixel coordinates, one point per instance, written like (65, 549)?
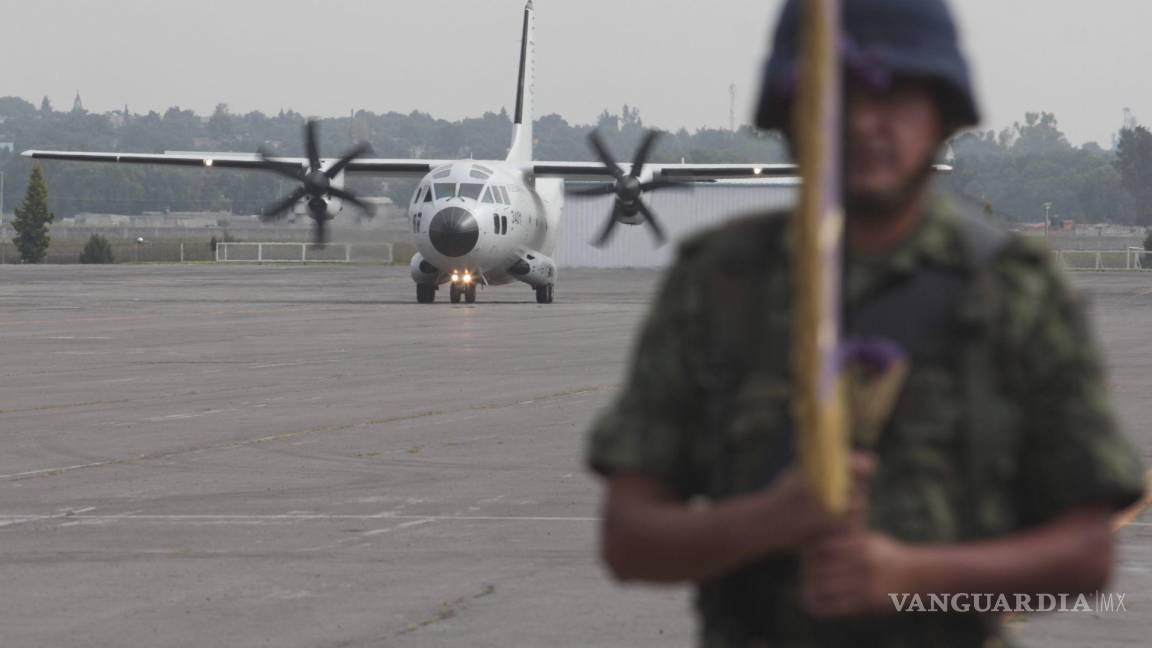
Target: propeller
(629, 188)
(315, 183)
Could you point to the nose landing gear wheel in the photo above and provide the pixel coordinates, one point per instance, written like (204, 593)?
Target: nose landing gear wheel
(544, 295)
(425, 293)
(454, 294)
(470, 293)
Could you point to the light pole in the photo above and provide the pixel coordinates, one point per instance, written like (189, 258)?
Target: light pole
(1047, 219)
(1, 197)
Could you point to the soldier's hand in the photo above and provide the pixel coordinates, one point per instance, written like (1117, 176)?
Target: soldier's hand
(796, 509)
(853, 573)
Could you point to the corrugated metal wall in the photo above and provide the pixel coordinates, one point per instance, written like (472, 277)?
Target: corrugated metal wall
(681, 213)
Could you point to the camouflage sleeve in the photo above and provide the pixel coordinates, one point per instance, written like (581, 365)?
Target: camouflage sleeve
(1073, 453)
(646, 429)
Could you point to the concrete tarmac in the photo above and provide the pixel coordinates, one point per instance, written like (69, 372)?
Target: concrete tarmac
(302, 456)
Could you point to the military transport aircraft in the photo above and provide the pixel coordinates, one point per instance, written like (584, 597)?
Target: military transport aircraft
(475, 222)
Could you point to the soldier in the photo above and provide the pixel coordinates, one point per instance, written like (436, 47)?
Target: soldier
(1001, 464)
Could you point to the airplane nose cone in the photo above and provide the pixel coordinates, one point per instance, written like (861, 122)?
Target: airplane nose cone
(454, 232)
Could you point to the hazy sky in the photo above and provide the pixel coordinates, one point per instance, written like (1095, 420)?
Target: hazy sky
(674, 59)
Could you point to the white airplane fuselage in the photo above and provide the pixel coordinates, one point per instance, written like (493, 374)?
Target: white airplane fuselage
(488, 221)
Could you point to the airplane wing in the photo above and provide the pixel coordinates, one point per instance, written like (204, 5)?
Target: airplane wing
(686, 172)
(395, 168)
(594, 171)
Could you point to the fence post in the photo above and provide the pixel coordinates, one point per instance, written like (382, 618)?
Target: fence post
(260, 252)
(181, 253)
(303, 252)
(347, 253)
(1099, 261)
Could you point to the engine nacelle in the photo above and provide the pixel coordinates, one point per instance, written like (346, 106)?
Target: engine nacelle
(332, 205)
(424, 272)
(534, 269)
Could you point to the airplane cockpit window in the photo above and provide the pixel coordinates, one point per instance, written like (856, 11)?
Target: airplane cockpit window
(428, 196)
(445, 190)
(416, 196)
(487, 200)
(443, 173)
(471, 190)
(502, 195)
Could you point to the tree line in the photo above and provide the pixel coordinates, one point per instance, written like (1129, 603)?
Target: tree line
(135, 189)
(1017, 171)
(1013, 172)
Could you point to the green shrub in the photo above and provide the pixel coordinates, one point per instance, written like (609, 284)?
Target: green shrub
(97, 250)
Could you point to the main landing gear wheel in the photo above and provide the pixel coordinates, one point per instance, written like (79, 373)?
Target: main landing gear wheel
(470, 293)
(425, 293)
(544, 295)
(454, 294)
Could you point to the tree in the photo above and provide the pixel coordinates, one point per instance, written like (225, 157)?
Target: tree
(97, 250)
(16, 107)
(1134, 162)
(32, 220)
(1040, 133)
(1032, 163)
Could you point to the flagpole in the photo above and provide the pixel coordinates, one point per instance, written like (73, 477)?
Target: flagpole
(820, 405)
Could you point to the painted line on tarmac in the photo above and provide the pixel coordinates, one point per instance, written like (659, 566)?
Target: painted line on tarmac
(358, 539)
(240, 518)
(16, 324)
(325, 429)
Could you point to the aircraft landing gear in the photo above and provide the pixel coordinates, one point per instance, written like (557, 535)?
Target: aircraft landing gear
(544, 295)
(425, 293)
(467, 292)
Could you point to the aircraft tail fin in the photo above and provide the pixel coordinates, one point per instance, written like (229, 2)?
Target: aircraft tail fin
(525, 90)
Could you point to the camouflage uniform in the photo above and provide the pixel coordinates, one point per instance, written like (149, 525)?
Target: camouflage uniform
(1003, 422)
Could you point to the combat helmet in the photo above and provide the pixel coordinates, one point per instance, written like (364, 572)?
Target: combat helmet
(882, 40)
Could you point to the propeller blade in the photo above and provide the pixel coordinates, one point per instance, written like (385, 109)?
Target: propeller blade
(594, 190)
(606, 233)
(651, 218)
(279, 209)
(642, 153)
(605, 156)
(320, 232)
(285, 169)
(357, 151)
(349, 197)
(319, 210)
(312, 143)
